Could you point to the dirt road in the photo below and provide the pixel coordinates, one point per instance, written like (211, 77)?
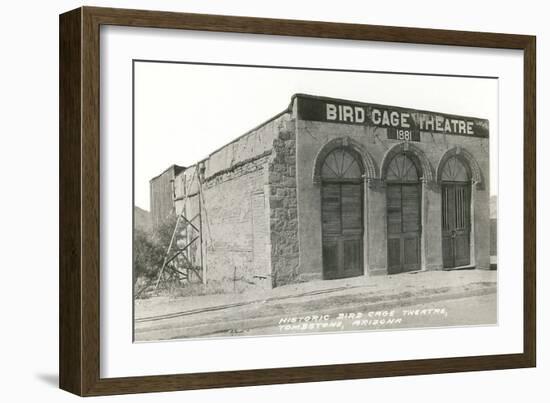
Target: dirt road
(407, 301)
(479, 310)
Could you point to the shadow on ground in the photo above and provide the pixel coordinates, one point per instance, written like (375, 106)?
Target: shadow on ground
(49, 379)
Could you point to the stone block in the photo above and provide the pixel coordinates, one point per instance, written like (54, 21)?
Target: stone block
(275, 177)
(284, 134)
(276, 202)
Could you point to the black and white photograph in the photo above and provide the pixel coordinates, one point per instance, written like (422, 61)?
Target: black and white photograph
(273, 200)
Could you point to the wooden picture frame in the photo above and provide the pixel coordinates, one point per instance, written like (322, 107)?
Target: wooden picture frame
(79, 348)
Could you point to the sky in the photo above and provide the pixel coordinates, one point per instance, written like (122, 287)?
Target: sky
(183, 112)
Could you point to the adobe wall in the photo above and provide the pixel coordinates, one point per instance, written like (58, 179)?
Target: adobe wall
(161, 195)
(237, 233)
(235, 224)
(373, 142)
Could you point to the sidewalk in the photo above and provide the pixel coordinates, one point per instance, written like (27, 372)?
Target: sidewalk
(161, 317)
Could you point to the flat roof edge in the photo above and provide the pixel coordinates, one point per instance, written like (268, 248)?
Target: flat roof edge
(402, 108)
(178, 168)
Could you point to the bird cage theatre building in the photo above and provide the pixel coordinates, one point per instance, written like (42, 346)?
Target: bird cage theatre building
(331, 188)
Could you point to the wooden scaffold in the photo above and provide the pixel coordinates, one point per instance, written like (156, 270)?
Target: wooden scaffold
(180, 259)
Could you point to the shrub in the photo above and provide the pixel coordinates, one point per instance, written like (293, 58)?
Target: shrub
(149, 251)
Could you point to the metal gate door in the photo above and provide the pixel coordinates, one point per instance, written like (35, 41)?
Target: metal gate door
(455, 222)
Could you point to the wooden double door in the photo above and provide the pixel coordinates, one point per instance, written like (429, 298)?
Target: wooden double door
(403, 226)
(455, 223)
(342, 226)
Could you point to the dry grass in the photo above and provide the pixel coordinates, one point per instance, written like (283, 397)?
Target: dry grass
(178, 289)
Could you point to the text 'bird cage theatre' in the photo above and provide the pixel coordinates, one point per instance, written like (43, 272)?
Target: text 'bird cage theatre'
(331, 188)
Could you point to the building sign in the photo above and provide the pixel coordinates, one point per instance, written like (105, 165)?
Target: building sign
(403, 134)
(402, 124)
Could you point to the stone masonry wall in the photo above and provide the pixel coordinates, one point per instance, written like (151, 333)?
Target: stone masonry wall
(283, 206)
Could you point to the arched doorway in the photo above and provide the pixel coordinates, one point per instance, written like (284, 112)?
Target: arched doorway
(403, 204)
(342, 213)
(455, 213)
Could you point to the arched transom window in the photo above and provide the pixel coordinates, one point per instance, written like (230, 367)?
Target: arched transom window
(341, 164)
(402, 169)
(454, 171)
